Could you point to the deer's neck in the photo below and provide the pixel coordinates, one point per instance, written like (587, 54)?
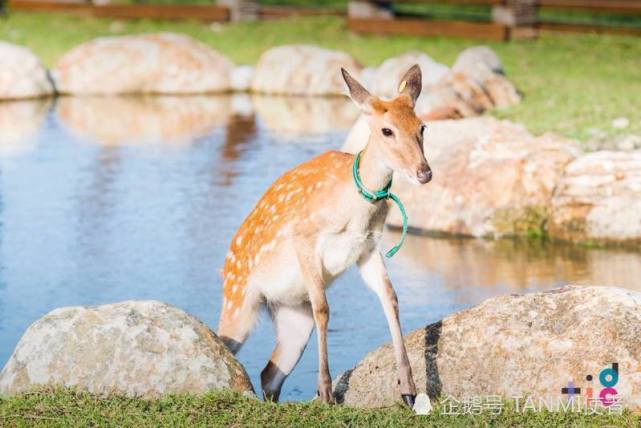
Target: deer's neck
(373, 172)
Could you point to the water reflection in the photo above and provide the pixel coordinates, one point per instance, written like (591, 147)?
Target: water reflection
(305, 115)
(517, 265)
(20, 121)
(122, 121)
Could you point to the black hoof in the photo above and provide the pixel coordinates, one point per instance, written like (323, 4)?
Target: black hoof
(409, 399)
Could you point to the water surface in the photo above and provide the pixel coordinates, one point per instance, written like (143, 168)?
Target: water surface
(109, 199)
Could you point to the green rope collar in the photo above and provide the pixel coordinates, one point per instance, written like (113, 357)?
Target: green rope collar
(377, 195)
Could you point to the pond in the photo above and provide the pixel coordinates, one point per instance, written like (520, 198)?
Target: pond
(109, 199)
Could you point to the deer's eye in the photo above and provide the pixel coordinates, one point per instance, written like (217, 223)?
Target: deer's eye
(423, 128)
(387, 132)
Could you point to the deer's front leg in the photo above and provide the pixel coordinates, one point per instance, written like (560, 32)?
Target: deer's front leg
(374, 274)
(311, 270)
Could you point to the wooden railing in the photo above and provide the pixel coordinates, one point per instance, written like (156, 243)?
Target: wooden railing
(623, 7)
(207, 13)
(509, 19)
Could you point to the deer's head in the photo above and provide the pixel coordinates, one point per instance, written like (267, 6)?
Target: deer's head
(396, 133)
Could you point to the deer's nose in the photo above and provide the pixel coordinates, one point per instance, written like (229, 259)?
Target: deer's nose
(424, 174)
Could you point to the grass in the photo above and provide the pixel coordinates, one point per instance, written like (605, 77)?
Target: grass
(574, 85)
(65, 408)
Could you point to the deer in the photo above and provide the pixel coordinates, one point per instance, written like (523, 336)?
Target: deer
(314, 222)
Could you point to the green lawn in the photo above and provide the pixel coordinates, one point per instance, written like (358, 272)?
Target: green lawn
(574, 85)
(69, 409)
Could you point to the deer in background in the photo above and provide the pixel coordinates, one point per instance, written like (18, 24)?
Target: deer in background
(310, 226)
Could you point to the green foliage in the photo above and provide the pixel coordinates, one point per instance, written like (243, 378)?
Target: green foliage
(65, 408)
(574, 85)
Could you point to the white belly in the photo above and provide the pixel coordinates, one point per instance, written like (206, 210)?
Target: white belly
(279, 278)
(341, 250)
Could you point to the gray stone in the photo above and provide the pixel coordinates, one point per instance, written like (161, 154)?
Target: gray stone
(528, 346)
(163, 63)
(469, 58)
(137, 348)
(302, 70)
(599, 198)
(241, 78)
(22, 74)
(388, 75)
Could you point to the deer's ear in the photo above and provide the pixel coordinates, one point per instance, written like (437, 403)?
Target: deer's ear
(361, 97)
(411, 83)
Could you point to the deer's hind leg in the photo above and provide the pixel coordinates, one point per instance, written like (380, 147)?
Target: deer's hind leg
(294, 325)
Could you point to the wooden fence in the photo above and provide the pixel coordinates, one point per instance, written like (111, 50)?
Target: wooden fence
(206, 13)
(509, 18)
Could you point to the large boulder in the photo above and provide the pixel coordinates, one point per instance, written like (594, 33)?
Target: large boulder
(478, 59)
(22, 74)
(528, 346)
(117, 121)
(302, 70)
(491, 178)
(599, 198)
(387, 77)
(137, 348)
(162, 63)
(475, 83)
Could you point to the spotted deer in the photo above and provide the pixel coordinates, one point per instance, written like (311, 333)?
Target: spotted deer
(309, 227)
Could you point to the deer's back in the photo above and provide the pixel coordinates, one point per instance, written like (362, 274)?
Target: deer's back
(289, 204)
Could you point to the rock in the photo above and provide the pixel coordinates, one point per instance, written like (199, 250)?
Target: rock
(481, 64)
(136, 348)
(121, 121)
(475, 83)
(22, 75)
(304, 116)
(599, 198)
(368, 77)
(478, 59)
(491, 178)
(302, 70)
(629, 142)
(458, 94)
(528, 346)
(241, 78)
(388, 76)
(161, 63)
(620, 123)
(501, 91)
